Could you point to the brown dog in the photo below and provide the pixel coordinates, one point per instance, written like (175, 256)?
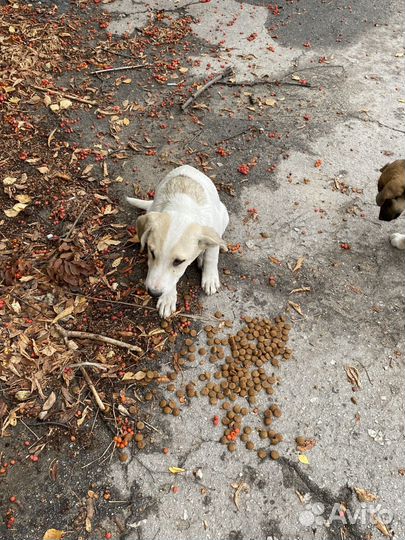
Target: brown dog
(391, 196)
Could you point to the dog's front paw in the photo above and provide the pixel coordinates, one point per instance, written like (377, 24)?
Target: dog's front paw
(167, 304)
(398, 240)
(210, 282)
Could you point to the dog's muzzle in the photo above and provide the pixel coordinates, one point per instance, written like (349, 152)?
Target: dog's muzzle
(154, 293)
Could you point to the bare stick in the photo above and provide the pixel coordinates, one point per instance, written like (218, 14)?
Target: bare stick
(72, 228)
(68, 96)
(96, 337)
(122, 68)
(93, 389)
(192, 98)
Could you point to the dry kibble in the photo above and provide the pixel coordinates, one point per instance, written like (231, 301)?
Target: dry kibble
(167, 410)
(250, 445)
(231, 447)
(300, 440)
(163, 403)
(218, 315)
(247, 429)
(140, 425)
(176, 412)
(274, 455)
(202, 351)
(262, 454)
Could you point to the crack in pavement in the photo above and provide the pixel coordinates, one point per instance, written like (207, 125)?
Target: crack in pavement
(326, 497)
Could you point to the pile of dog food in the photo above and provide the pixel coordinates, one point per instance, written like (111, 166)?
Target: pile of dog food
(245, 365)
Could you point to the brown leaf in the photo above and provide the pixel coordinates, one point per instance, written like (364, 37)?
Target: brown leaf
(299, 264)
(353, 376)
(364, 495)
(381, 527)
(308, 445)
(296, 307)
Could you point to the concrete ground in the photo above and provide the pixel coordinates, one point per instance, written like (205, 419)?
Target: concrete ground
(315, 142)
(350, 118)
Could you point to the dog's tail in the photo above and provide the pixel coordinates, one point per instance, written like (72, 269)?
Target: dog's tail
(139, 203)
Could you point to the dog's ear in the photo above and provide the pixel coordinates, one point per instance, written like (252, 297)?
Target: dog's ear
(383, 168)
(144, 226)
(392, 190)
(208, 237)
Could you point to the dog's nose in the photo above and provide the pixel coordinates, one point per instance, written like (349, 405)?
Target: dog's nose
(154, 293)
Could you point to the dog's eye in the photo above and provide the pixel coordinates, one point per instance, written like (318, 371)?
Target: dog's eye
(178, 262)
(152, 254)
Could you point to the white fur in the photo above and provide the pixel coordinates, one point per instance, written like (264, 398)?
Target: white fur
(186, 221)
(398, 240)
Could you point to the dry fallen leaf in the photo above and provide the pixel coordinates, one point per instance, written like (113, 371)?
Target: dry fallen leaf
(49, 403)
(176, 470)
(353, 376)
(65, 104)
(239, 488)
(299, 264)
(307, 446)
(17, 208)
(53, 534)
(364, 495)
(381, 527)
(303, 459)
(130, 376)
(296, 307)
(63, 314)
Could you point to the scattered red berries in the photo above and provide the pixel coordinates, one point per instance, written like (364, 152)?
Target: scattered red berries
(244, 169)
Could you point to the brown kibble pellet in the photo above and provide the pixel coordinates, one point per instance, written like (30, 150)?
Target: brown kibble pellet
(226, 406)
(176, 412)
(218, 315)
(274, 455)
(300, 440)
(202, 351)
(263, 434)
(140, 425)
(163, 403)
(277, 412)
(193, 332)
(138, 437)
(148, 396)
(250, 445)
(231, 447)
(247, 430)
(262, 454)
(167, 410)
(141, 444)
(188, 342)
(244, 411)
(244, 437)
(223, 440)
(268, 421)
(171, 387)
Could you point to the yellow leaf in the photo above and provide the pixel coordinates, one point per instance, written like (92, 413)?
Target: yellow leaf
(17, 208)
(176, 470)
(43, 170)
(22, 395)
(130, 376)
(16, 306)
(65, 104)
(53, 534)
(183, 70)
(125, 121)
(117, 262)
(54, 107)
(303, 459)
(14, 100)
(11, 29)
(270, 102)
(24, 199)
(65, 313)
(9, 180)
(127, 81)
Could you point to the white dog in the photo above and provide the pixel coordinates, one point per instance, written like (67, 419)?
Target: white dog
(185, 221)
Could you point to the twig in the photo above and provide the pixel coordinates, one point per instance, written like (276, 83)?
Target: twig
(87, 364)
(96, 337)
(98, 459)
(152, 427)
(225, 73)
(368, 376)
(121, 68)
(29, 429)
(93, 389)
(72, 228)
(68, 96)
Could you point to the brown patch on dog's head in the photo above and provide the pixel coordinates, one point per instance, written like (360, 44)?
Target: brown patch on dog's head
(391, 190)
